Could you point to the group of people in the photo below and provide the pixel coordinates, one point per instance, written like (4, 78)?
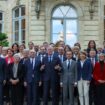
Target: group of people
(52, 71)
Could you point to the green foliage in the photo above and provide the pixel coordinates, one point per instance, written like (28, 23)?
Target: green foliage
(3, 39)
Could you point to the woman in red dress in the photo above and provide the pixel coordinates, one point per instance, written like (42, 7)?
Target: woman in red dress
(99, 78)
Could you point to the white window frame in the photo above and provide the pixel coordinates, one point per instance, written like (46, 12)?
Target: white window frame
(20, 18)
(64, 20)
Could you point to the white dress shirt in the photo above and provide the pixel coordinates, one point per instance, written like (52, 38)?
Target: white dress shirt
(82, 63)
(32, 60)
(67, 61)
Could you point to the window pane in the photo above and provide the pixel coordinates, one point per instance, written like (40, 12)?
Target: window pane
(64, 9)
(16, 36)
(72, 13)
(57, 37)
(0, 27)
(17, 12)
(22, 11)
(71, 39)
(71, 26)
(23, 24)
(57, 26)
(23, 36)
(16, 25)
(64, 25)
(57, 13)
(1, 16)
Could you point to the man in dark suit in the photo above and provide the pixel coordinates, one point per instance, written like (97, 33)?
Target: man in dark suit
(51, 66)
(2, 78)
(93, 59)
(42, 53)
(69, 79)
(61, 54)
(32, 66)
(25, 56)
(16, 79)
(62, 57)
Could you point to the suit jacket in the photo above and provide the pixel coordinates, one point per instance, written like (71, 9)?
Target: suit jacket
(49, 72)
(71, 74)
(2, 70)
(29, 71)
(40, 57)
(20, 73)
(64, 58)
(85, 71)
(98, 74)
(96, 60)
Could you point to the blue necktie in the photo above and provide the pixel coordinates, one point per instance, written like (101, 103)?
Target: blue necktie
(50, 59)
(32, 63)
(68, 64)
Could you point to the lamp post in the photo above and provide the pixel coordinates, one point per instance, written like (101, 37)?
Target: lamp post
(37, 7)
(18, 2)
(92, 8)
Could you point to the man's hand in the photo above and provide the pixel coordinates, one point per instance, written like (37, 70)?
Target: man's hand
(42, 67)
(88, 82)
(57, 67)
(4, 82)
(14, 82)
(25, 84)
(40, 83)
(61, 84)
(75, 84)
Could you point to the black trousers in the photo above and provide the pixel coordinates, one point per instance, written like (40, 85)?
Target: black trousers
(91, 92)
(100, 94)
(17, 94)
(52, 86)
(76, 95)
(6, 92)
(1, 94)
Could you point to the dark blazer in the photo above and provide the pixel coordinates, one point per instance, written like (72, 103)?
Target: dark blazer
(20, 72)
(39, 56)
(30, 72)
(85, 71)
(2, 70)
(64, 58)
(96, 60)
(50, 73)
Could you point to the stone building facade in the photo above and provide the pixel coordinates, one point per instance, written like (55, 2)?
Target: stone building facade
(90, 20)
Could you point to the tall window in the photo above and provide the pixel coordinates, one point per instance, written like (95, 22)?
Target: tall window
(64, 24)
(1, 22)
(19, 26)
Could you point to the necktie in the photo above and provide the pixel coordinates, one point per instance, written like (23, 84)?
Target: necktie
(92, 61)
(32, 63)
(50, 59)
(41, 58)
(61, 58)
(68, 64)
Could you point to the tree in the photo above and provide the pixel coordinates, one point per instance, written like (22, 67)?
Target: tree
(3, 39)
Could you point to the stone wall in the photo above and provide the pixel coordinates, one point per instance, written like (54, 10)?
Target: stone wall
(39, 30)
